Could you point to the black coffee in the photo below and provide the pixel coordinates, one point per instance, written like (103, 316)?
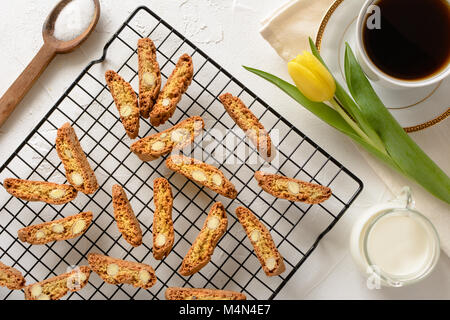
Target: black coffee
(414, 39)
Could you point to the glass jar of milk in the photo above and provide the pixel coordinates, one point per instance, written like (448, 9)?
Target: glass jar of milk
(395, 243)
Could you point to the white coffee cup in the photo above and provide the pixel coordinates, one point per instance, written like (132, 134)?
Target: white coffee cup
(377, 75)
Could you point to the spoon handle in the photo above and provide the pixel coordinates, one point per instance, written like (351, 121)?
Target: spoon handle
(25, 81)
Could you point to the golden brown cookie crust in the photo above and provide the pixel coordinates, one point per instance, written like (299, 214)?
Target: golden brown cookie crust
(173, 90)
(57, 230)
(265, 249)
(125, 218)
(126, 102)
(149, 76)
(57, 287)
(248, 122)
(163, 233)
(292, 189)
(11, 277)
(48, 192)
(203, 247)
(176, 293)
(74, 160)
(177, 137)
(134, 273)
(202, 173)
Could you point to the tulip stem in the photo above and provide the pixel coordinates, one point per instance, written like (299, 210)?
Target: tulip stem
(336, 105)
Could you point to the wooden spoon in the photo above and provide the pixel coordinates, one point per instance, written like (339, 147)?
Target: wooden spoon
(50, 48)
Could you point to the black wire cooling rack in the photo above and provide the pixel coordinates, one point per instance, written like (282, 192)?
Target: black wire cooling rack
(87, 105)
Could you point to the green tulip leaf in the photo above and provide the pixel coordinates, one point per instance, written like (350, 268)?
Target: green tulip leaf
(400, 147)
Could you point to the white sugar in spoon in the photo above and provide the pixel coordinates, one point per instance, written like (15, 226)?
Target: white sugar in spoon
(48, 51)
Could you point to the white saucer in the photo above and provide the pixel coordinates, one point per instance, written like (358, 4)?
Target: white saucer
(415, 109)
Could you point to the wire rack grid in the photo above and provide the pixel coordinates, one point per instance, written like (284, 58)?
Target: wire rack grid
(87, 104)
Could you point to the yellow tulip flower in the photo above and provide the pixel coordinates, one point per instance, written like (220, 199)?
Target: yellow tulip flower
(312, 78)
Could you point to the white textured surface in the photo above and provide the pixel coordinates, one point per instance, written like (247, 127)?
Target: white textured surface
(227, 30)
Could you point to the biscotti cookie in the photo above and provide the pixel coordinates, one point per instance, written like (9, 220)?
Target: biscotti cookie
(116, 271)
(11, 278)
(126, 220)
(171, 93)
(248, 122)
(292, 189)
(78, 171)
(265, 249)
(48, 192)
(62, 229)
(173, 293)
(57, 287)
(203, 247)
(149, 76)
(202, 173)
(126, 102)
(177, 137)
(163, 234)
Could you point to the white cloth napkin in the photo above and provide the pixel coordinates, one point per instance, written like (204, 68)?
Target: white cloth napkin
(287, 29)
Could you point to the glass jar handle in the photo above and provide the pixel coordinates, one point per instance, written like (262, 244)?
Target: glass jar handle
(406, 199)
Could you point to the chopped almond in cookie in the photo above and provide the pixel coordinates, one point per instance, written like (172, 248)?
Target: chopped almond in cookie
(125, 218)
(292, 189)
(62, 229)
(78, 171)
(202, 173)
(202, 249)
(177, 137)
(163, 232)
(57, 287)
(149, 76)
(173, 90)
(11, 277)
(126, 102)
(265, 249)
(116, 271)
(48, 192)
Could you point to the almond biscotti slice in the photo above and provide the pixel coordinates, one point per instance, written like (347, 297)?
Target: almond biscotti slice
(203, 247)
(248, 122)
(292, 189)
(48, 192)
(202, 173)
(126, 220)
(57, 287)
(171, 93)
(116, 271)
(163, 234)
(174, 293)
(149, 76)
(265, 249)
(11, 277)
(57, 230)
(78, 171)
(177, 137)
(126, 102)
